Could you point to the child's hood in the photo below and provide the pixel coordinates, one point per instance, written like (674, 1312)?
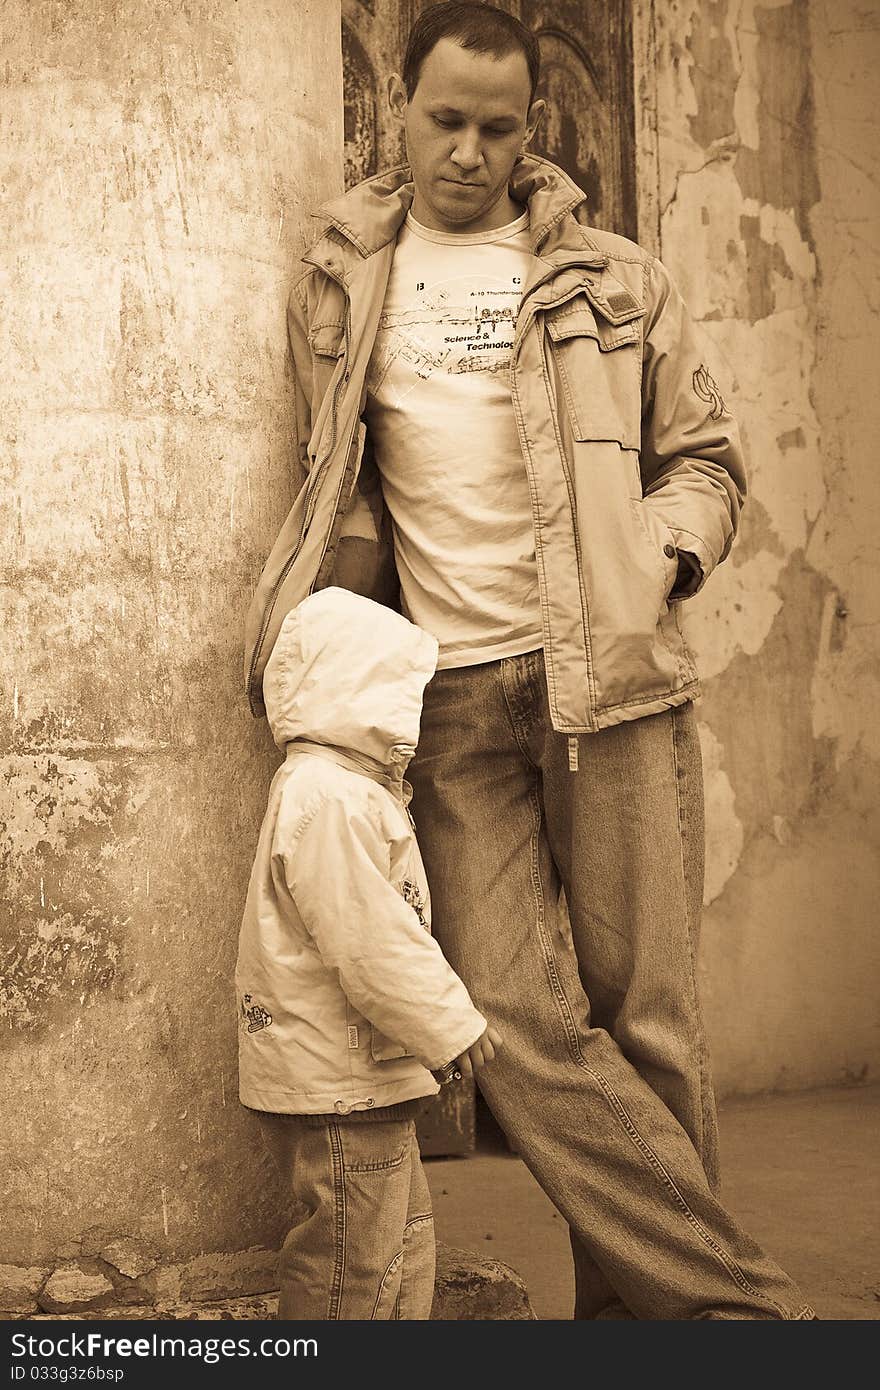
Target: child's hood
(348, 672)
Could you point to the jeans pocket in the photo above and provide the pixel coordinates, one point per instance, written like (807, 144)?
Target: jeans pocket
(374, 1146)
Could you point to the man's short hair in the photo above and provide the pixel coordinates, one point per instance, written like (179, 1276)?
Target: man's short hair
(480, 28)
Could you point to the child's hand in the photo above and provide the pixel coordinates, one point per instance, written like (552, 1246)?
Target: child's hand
(479, 1053)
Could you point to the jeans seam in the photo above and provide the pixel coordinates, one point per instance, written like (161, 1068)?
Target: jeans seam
(703, 1061)
(514, 704)
(398, 1259)
(644, 1147)
(562, 1004)
(339, 1221)
(556, 990)
(418, 1221)
(695, 1002)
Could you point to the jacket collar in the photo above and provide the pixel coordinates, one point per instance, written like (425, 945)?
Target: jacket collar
(390, 774)
(369, 216)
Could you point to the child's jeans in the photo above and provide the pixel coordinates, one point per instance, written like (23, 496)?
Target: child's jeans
(364, 1246)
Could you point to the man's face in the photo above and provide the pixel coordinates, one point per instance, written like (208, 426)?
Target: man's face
(466, 123)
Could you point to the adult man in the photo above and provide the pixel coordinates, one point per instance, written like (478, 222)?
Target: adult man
(557, 470)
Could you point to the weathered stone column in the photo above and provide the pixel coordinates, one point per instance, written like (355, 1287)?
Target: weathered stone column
(157, 164)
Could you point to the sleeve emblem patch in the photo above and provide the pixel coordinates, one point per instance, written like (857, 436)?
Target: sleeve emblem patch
(706, 388)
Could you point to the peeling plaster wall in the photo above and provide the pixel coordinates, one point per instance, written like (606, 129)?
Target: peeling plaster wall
(765, 155)
(158, 164)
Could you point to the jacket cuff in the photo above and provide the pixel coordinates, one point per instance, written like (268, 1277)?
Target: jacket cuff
(468, 1040)
(695, 551)
(689, 578)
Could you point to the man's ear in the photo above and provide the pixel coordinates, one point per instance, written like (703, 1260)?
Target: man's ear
(397, 98)
(533, 119)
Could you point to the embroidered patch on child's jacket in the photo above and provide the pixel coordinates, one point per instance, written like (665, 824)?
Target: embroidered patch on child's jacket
(253, 1016)
(412, 894)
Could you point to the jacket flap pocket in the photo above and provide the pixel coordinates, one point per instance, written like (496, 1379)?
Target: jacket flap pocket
(600, 387)
(576, 319)
(617, 312)
(326, 340)
(384, 1049)
(613, 301)
(572, 320)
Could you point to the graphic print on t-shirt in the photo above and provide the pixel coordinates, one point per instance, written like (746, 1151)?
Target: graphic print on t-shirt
(462, 325)
(442, 423)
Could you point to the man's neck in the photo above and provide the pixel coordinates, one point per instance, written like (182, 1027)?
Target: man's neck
(502, 214)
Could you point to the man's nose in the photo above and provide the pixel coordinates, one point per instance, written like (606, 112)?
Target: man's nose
(467, 154)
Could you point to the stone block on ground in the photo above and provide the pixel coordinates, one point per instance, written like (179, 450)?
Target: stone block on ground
(19, 1286)
(71, 1287)
(468, 1288)
(473, 1289)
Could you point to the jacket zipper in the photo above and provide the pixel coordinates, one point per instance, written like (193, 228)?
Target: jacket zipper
(517, 410)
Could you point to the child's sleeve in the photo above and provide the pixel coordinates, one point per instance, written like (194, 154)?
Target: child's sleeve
(390, 967)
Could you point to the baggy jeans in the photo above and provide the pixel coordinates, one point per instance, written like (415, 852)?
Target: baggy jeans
(602, 1082)
(364, 1246)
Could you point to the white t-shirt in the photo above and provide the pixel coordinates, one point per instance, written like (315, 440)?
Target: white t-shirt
(441, 419)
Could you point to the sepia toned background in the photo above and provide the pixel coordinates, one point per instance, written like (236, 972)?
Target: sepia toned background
(157, 168)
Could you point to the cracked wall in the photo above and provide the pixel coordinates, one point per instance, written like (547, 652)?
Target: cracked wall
(152, 213)
(766, 164)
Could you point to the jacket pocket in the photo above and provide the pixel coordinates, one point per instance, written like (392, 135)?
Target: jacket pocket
(326, 339)
(385, 1049)
(597, 368)
(327, 348)
(627, 577)
(659, 538)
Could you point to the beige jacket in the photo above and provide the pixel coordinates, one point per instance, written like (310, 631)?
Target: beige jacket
(630, 450)
(345, 1001)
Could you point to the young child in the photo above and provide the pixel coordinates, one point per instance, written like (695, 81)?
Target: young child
(346, 1004)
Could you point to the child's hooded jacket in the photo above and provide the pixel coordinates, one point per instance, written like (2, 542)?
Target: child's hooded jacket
(345, 1000)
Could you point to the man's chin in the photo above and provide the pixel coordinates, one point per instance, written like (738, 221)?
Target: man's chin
(459, 209)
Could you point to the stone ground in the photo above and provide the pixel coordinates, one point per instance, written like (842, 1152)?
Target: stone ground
(800, 1172)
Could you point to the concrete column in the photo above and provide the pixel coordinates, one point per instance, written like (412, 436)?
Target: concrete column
(157, 165)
